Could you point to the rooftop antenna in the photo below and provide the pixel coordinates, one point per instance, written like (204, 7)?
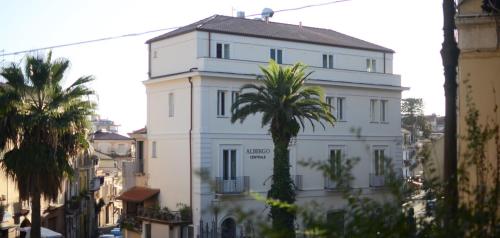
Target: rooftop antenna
(267, 13)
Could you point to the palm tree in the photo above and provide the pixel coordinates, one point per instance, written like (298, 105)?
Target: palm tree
(286, 105)
(42, 126)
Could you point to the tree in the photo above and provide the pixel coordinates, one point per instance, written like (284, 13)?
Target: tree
(286, 104)
(413, 116)
(449, 55)
(42, 126)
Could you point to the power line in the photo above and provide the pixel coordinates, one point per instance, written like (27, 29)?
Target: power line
(152, 31)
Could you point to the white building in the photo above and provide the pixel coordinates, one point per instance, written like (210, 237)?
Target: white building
(196, 71)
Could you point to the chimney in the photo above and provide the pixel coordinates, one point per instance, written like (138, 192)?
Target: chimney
(300, 24)
(240, 14)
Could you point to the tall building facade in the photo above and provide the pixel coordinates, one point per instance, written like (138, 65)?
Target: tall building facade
(195, 74)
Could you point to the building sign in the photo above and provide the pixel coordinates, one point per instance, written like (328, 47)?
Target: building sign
(257, 153)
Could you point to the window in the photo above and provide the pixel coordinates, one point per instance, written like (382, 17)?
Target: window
(335, 162)
(229, 164)
(340, 109)
(147, 230)
(221, 103)
(327, 61)
(383, 110)
(371, 65)
(373, 105)
(234, 97)
(276, 55)
(329, 101)
(171, 104)
(222, 51)
(379, 161)
(121, 149)
(153, 149)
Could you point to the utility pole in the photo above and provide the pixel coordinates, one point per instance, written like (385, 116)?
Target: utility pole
(449, 54)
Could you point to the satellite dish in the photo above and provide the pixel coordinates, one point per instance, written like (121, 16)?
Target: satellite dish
(267, 13)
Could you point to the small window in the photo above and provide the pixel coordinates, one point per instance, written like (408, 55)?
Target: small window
(226, 51)
(222, 51)
(379, 161)
(383, 110)
(276, 55)
(371, 65)
(221, 103)
(155, 54)
(153, 149)
(147, 230)
(328, 61)
(329, 101)
(218, 53)
(373, 105)
(340, 109)
(234, 97)
(171, 104)
(335, 162)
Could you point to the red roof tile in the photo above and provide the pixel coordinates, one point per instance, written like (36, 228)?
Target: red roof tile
(138, 194)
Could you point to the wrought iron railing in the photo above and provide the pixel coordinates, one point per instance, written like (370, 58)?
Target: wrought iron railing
(235, 185)
(298, 182)
(330, 184)
(163, 214)
(377, 180)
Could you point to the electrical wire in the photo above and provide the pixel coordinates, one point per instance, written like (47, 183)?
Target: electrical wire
(153, 31)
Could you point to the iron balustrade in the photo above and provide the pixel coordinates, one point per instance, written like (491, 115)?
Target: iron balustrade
(377, 180)
(235, 185)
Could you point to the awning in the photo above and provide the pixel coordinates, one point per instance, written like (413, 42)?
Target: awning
(138, 194)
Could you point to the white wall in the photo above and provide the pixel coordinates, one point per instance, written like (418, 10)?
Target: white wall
(191, 50)
(169, 170)
(173, 55)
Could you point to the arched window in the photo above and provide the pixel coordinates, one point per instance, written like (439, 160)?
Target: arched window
(228, 228)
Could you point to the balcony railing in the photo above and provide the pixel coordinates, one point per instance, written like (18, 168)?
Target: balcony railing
(377, 180)
(164, 215)
(235, 185)
(330, 184)
(298, 182)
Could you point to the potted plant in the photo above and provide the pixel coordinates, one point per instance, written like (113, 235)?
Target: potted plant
(185, 211)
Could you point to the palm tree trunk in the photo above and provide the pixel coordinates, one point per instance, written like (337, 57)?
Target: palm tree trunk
(35, 216)
(449, 54)
(282, 190)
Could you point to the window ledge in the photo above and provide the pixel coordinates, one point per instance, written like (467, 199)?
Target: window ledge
(374, 122)
(223, 117)
(384, 122)
(341, 121)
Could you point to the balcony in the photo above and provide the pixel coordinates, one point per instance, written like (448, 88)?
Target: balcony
(330, 184)
(298, 182)
(377, 180)
(236, 185)
(164, 215)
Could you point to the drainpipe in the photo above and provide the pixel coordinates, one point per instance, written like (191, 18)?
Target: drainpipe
(209, 45)
(190, 147)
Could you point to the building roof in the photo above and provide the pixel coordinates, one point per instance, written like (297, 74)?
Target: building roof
(140, 131)
(273, 30)
(138, 194)
(106, 135)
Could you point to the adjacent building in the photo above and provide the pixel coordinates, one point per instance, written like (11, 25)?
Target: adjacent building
(479, 42)
(196, 72)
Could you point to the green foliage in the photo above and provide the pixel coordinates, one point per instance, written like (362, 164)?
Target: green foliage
(412, 117)
(286, 104)
(42, 126)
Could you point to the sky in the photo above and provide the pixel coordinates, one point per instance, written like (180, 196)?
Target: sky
(411, 28)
